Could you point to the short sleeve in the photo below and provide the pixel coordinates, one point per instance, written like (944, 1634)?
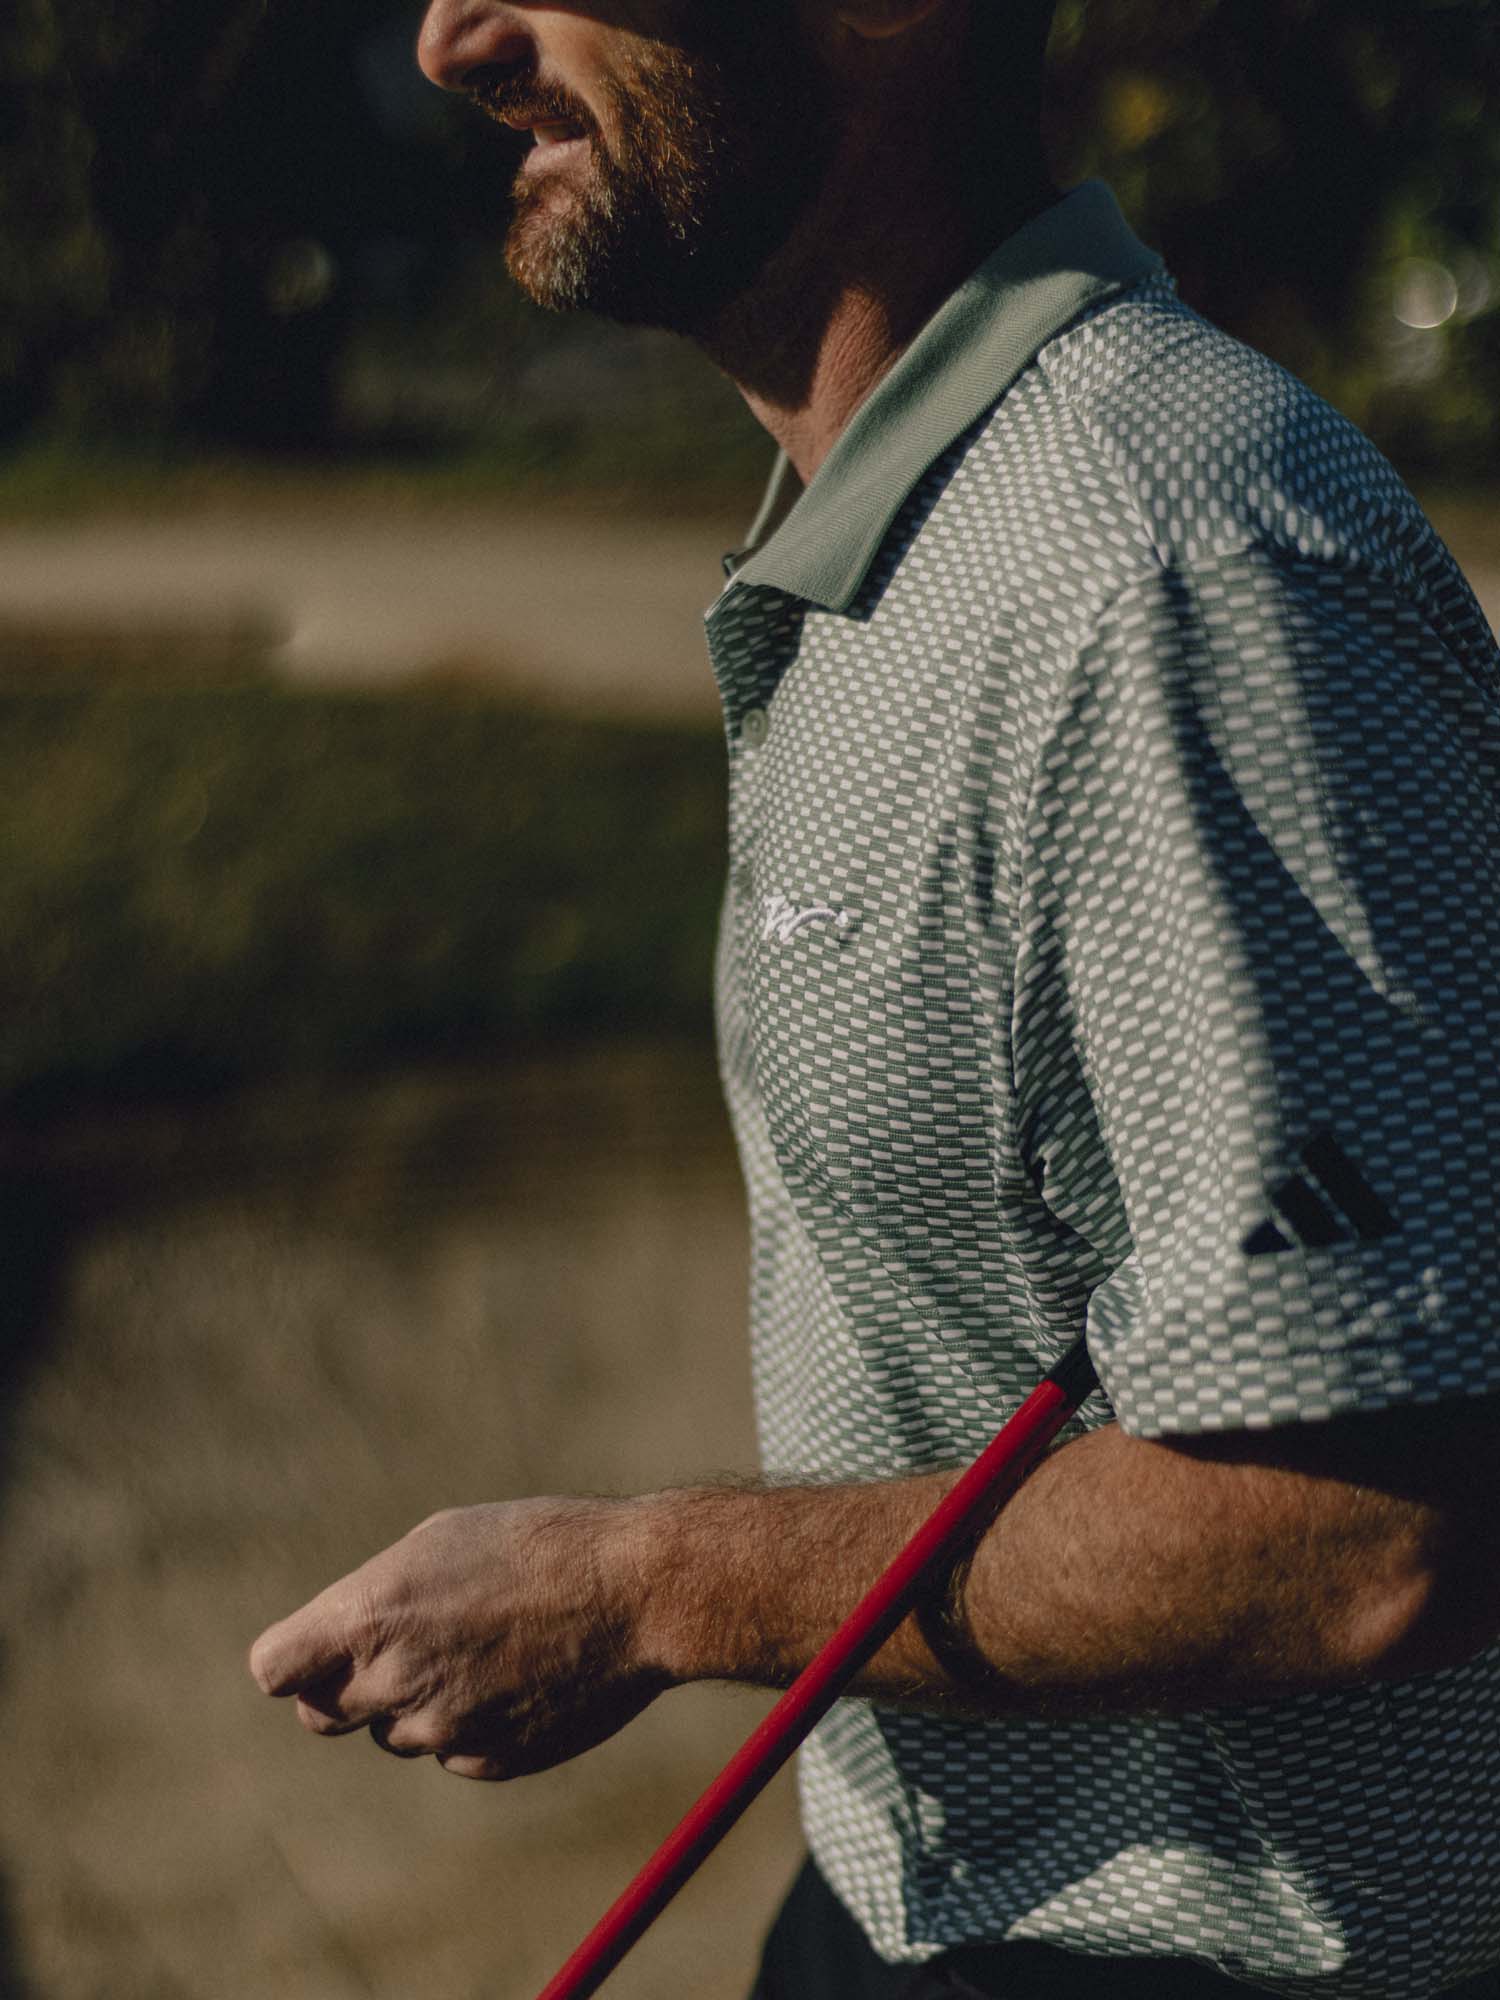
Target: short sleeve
(1257, 995)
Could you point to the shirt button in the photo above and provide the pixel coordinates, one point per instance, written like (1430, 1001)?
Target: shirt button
(755, 727)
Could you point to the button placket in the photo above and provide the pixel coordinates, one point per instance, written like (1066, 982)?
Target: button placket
(751, 737)
(752, 636)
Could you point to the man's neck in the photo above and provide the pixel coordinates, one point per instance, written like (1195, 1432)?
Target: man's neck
(834, 310)
(859, 340)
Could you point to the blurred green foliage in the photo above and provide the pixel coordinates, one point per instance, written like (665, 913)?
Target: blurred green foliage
(1290, 157)
(200, 886)
(179, 183)
(250, 224)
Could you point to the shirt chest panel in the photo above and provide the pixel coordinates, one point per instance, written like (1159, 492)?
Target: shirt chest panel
(867, 962)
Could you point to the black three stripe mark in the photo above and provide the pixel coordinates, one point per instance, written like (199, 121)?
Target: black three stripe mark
(1295, 1201)
(1348, 1186)
(1265, 1237)
(1309, 1218)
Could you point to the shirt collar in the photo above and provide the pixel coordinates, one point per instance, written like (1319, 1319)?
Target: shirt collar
(818, 543)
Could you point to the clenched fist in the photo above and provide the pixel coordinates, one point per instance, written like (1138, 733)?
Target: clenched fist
(499, 1639)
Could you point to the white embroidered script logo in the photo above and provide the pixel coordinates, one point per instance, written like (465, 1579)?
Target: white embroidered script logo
(781, 919)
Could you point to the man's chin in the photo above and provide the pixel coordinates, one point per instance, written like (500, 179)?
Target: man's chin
(546, 252)
(559, 253)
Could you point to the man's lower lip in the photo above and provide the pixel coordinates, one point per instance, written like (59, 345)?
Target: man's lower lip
(542, 158)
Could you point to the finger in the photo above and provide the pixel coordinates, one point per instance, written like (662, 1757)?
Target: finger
(302, 1650)
(331, 1707)
(357, 1695)
(410, 1735)
(321, 1723)
(486, 1769)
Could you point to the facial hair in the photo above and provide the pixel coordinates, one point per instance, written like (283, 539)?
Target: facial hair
(713, 155)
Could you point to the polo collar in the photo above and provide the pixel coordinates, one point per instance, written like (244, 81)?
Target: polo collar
(818, 543)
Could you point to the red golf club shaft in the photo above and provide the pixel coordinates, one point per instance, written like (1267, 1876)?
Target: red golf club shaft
(1002, 1465)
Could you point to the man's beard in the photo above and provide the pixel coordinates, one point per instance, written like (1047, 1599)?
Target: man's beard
(712, 159)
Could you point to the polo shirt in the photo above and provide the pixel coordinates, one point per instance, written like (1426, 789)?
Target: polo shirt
(1111, 945)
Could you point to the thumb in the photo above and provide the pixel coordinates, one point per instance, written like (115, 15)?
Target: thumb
(304, 1648)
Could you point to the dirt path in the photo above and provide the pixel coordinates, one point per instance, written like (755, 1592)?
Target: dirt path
(597, 611)
(592, 610)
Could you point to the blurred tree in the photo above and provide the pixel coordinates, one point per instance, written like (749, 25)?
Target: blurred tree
(54, 266)
(1289, 157)
(199, 204)
(184, 190)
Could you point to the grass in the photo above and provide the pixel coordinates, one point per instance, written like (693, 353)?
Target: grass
(671, 470)
(205, 885)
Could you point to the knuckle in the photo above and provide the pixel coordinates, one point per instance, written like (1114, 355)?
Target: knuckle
(417, 1736)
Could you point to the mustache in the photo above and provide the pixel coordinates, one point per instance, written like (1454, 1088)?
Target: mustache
(505, 97)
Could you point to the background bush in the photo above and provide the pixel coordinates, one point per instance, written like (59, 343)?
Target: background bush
(201, 887)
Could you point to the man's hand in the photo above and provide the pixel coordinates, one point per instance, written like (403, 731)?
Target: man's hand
(498, 1639)
(1126, 1576)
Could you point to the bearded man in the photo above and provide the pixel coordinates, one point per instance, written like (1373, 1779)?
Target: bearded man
(1111, 946)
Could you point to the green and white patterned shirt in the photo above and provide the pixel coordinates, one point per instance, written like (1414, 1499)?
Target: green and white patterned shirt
(1112, 943)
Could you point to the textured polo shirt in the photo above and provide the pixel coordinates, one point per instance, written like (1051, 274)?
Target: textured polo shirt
(1112, 944)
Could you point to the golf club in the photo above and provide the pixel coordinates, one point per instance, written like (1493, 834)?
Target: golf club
(1001, 1467)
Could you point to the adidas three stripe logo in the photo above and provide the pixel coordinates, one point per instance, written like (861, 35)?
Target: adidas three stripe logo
(1311, 1220)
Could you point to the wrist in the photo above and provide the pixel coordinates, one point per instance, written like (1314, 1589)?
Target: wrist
(741, 1584)
(644, 1558)
(659, 1537)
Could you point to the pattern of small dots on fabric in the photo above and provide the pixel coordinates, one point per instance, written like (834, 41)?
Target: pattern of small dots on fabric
(1112, 943)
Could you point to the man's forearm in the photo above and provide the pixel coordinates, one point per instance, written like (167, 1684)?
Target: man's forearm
(1124, 1576)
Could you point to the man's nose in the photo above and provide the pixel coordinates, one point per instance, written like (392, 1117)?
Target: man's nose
(461, 36)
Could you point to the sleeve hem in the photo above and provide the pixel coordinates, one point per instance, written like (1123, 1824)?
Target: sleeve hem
(1184, 1389)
